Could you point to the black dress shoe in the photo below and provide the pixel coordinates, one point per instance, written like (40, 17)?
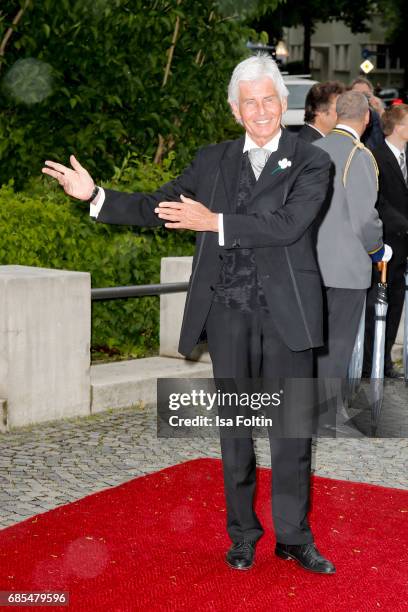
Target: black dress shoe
(393, 373)
(307, 556)
(241, 555)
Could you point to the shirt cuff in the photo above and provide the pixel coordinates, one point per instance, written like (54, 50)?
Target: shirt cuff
(221, 229)
(96, 205)
(388, 252)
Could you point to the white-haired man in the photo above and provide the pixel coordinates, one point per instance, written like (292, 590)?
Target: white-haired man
(255, 288)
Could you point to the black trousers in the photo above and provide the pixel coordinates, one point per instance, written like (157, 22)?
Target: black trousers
(247, 345)
(342, 314)
(396, 293)
(343, 309)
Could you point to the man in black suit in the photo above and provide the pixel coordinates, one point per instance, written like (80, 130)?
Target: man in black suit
(320, 110)
(255, 288)
(393, 209)
(373, 135)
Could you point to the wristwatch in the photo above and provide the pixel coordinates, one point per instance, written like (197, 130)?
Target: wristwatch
(93, 195)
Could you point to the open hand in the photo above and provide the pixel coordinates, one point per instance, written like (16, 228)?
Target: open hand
(377, 104)
(76, 182)
(187, 214)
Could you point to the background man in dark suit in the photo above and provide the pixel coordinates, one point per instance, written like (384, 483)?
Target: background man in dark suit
(393, 209)
(320, 110)
(373, 135)
(254, 288)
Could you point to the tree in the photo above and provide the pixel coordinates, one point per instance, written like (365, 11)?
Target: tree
(108, 77)
(395, 18)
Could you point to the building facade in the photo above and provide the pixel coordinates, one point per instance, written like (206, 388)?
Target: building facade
(336, 53)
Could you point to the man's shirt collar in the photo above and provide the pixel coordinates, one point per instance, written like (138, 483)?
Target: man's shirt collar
(315, 128)
(342, 126)
(271, 146)
(395, 149)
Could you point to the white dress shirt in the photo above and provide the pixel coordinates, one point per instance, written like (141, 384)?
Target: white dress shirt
(342, 126)
(396, 151)
(96, 204)
(271, 146)
(315, 128)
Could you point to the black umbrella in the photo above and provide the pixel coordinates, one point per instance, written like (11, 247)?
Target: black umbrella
(377, 371)
(406, 328)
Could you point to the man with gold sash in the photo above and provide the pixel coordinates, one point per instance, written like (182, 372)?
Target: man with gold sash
(350, 233)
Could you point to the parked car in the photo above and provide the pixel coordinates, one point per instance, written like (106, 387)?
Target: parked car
(298, 87)
(392, 95)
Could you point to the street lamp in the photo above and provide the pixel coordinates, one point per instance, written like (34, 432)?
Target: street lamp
(282, 50)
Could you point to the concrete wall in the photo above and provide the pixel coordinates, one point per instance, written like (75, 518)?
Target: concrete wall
(175, 269)
(45, 326)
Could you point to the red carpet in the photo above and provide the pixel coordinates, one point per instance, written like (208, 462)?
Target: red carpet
(136, 548)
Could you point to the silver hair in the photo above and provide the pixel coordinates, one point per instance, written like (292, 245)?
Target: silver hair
(253, 69)
(352, 105)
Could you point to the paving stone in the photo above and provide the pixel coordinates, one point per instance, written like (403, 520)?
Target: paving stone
(53, 464)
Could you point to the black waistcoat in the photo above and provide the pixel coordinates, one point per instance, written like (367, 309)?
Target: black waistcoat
(238, 285)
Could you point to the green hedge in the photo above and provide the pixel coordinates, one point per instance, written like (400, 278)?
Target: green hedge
(42, 227)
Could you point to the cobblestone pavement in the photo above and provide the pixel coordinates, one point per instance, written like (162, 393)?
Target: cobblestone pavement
(52, 464)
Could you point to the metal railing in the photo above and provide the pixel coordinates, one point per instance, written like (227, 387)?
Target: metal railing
(117, 293)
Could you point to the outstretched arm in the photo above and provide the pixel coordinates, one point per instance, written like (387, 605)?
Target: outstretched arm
(140, 208)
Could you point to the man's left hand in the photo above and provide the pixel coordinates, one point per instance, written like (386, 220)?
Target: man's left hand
(187, 214)
(377, 104)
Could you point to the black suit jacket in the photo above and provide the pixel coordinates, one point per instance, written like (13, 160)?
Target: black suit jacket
(277, 224)
(393, 195)
(308, 133)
